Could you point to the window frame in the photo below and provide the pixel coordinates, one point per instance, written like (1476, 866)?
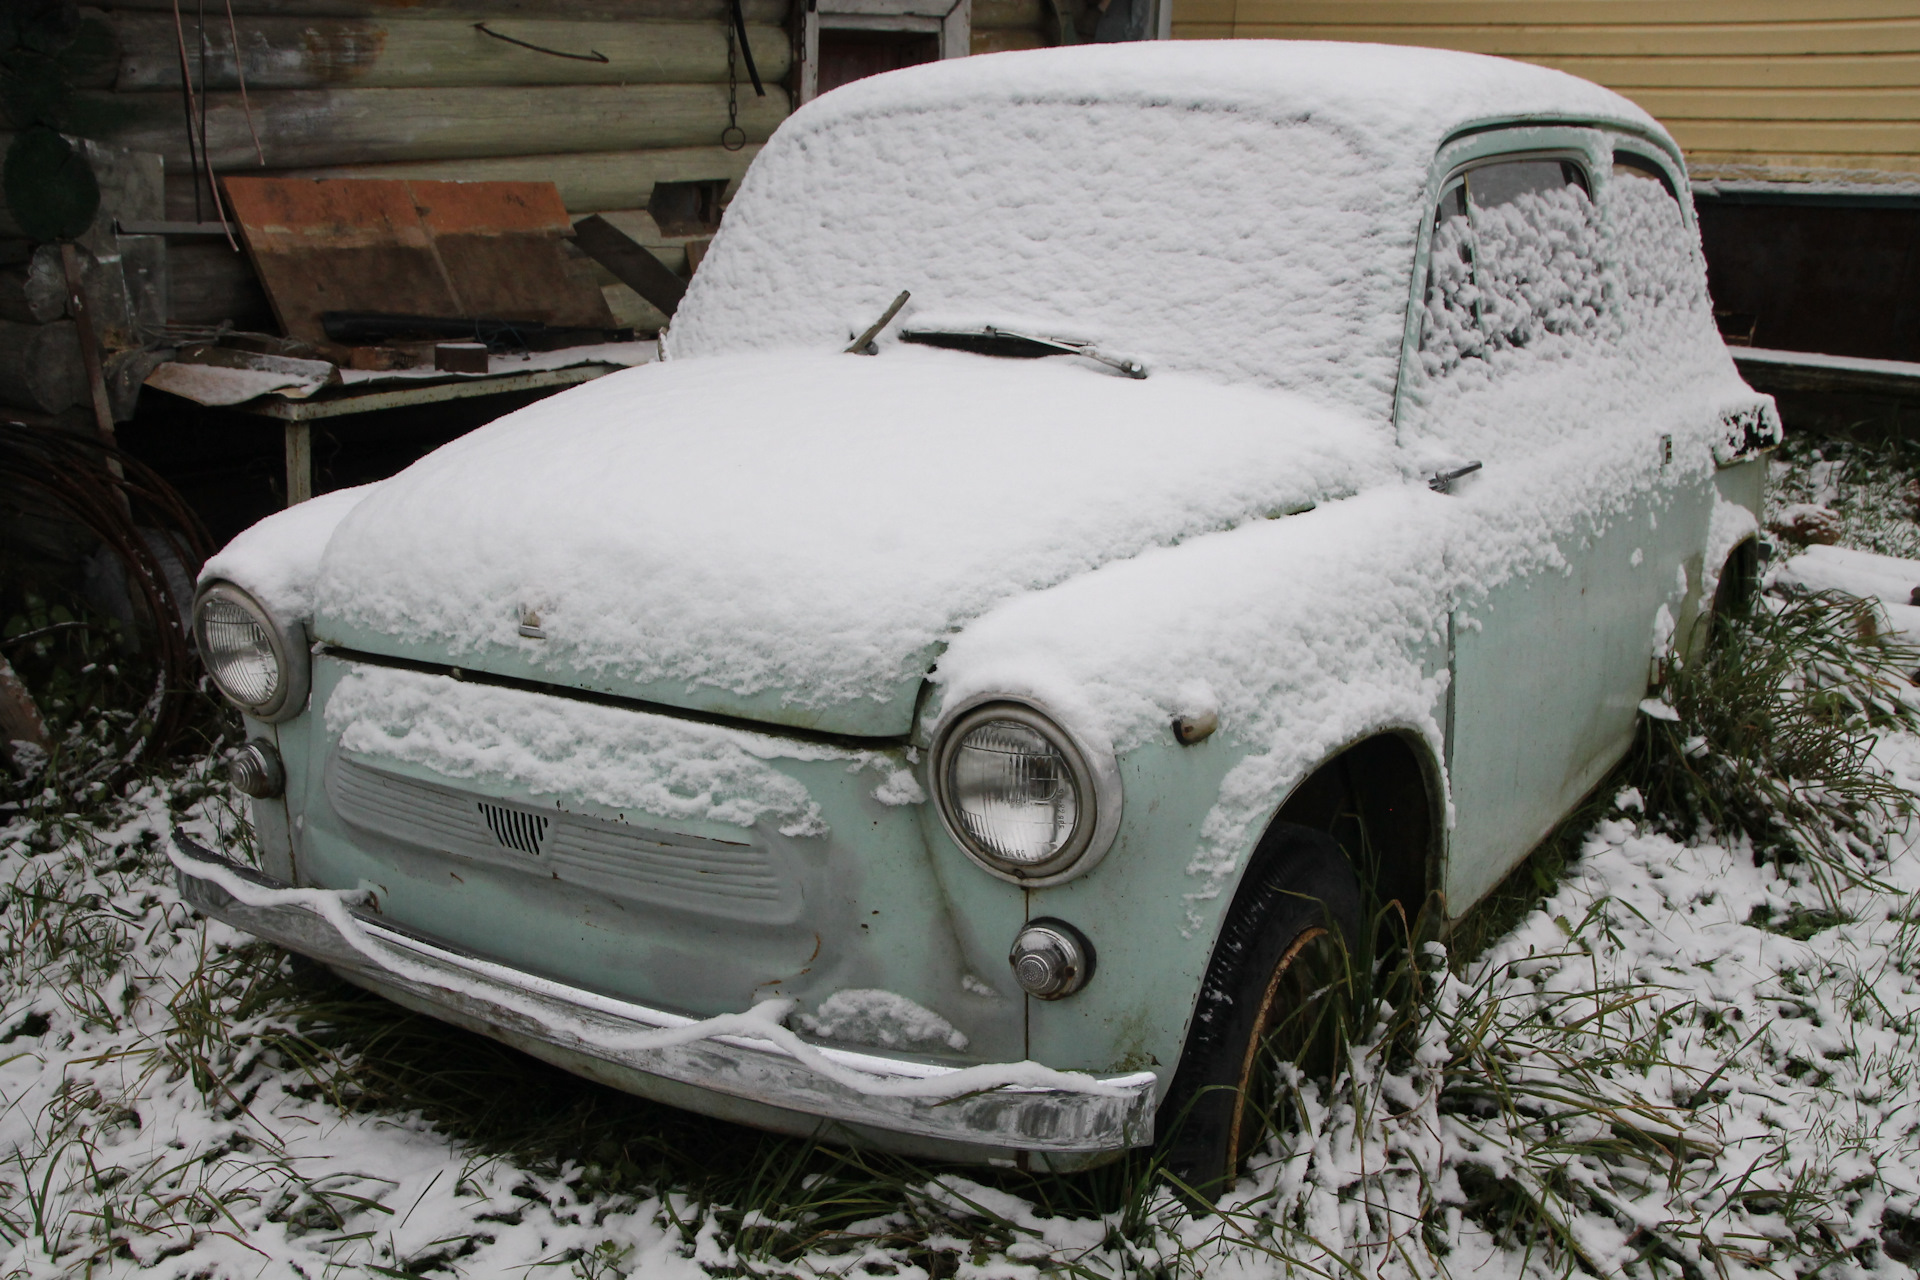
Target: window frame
(1591, 146)
(950, 20)
(1462, 175)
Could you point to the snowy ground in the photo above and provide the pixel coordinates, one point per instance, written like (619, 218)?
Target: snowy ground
(1686, 1061)
(1681, 1062)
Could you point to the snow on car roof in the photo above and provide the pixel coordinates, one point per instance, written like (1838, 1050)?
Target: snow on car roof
(1415, 96)
(1246, 210)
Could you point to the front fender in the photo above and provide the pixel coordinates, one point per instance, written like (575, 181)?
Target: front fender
(1302, 634)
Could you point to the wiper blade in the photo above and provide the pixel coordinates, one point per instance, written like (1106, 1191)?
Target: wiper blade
(991, 341)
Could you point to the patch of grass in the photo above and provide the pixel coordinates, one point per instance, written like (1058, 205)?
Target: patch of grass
(1777, 720)
(1870, 486)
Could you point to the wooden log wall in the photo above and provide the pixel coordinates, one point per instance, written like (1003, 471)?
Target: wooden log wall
(380, 88)
(1002, 25)
(351, 89)
(1789, 89)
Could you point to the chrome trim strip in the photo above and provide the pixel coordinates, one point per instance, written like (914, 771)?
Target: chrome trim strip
(1011, 1119)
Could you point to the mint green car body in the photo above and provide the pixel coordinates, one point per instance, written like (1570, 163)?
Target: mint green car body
(1532, 695)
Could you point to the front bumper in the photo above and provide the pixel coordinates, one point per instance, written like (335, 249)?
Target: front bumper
(1060, 1126)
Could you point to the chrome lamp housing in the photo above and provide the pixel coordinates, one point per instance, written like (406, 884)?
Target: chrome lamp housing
(259, 663)
(1023, 797)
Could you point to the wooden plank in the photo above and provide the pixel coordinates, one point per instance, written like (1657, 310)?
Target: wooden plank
(299, 459)
(639, 270)
(1826, 104)
(773, 12)
(1747, 166)
(1001, 15)
(592, 182)
(320, 53)
(339, 246)
(310, 128)
(433, 393)
(1589, 12)
(503, 246)
(1205, 28)
(1267, 19)
(1803, 71)
(1817, 137)
(208, 282)
(1005, 40)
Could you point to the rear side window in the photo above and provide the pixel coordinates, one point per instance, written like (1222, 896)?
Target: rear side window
(1514, 262)
(1662, 279)
(1627, 165)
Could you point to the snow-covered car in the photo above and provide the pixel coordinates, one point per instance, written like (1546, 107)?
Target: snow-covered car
(974, 734)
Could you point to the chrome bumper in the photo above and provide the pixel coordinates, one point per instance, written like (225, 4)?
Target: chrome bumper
(1007, 1121)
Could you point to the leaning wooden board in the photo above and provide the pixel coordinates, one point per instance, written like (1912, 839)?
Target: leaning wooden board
(473, 249)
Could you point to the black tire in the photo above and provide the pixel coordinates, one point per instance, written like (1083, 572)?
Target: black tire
(1273, 992)
(1733, 594)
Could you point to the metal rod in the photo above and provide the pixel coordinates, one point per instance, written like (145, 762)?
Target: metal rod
(863, 345)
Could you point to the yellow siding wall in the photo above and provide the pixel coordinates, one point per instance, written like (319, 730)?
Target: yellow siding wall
(1788, 89)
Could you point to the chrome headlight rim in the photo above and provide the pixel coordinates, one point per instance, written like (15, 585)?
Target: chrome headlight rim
(287, 644)
(1095, 774)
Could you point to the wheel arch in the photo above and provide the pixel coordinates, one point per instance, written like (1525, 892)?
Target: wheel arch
(1382, 796)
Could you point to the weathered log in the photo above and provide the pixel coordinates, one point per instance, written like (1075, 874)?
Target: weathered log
(208, 283)
(757, 11)
(36, 292)
(449, 51)
(310, 128)
(1002, 15)
(1003, 40)
(40, 366)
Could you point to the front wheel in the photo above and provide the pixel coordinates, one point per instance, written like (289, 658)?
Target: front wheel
(1274, 992)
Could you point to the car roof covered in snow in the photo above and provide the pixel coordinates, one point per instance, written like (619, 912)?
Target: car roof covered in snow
(1246, 210)
(1418, 96)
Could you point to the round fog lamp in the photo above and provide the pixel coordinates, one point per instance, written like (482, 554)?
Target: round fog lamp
(255, 770)
(1051, 959)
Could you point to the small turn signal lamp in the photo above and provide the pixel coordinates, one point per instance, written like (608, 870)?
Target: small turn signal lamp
(1051, 959)
(255, 770)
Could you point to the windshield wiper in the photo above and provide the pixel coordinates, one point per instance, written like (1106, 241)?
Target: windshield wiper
(989, 341)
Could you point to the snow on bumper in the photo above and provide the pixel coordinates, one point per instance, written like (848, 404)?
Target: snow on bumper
(1012, 1107)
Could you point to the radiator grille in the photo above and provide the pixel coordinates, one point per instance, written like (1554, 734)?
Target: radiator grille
(741, 880)
(514, 829)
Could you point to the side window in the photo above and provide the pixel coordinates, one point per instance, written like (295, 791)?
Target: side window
(1514, 262)
(1662, 278)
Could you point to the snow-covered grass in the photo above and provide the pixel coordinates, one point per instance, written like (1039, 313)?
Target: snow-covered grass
(1870, 487)
(1685, 1049)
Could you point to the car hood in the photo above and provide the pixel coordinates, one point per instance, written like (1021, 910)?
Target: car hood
(791, 537)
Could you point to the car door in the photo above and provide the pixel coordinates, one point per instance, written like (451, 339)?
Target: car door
(1560, 591)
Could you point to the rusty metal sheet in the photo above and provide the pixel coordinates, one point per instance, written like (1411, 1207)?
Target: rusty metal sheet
(492, 249)
(503, 245)
(338, 244)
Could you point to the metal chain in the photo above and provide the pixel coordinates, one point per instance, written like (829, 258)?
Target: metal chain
(733, 137)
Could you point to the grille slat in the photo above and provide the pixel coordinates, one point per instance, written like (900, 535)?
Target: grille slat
(735, 880)
(514, 829)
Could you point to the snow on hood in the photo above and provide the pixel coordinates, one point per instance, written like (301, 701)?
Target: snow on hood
(275, 560)
(793, 537)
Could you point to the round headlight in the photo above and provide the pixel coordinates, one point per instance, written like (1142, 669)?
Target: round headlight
(254, 662)
(1018, 794)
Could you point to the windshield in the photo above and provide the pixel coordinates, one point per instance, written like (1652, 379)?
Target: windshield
(1241, 248)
